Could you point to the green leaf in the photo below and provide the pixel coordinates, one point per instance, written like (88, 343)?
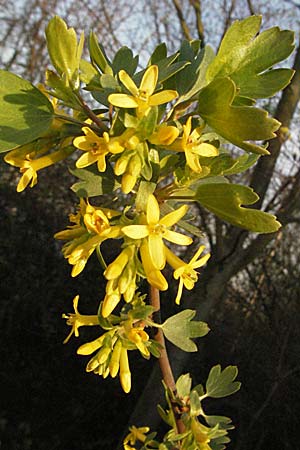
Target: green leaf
(92, 182)
(184, 385)
(25, 113)
(60, 90)
(245, 57)
(147, 124)
(63, 50)
(195, 404)
(160, 52)
(237, 124)
(221, 383)
(124, 60)
(224, 164)
(98, 55)
(225, 200)
(179, 328)
(199, 67)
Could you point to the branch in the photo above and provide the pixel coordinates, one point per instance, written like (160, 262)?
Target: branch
(196, 4)
(183, 24)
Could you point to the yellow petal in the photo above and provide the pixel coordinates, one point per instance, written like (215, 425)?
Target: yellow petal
(122, 100)
(205, 149)
(86, 160)
(187, 129)
(136, 231)
(192, 161)
(177, 238)
(162, 97)
(156, 251)
(179, 292)
(128, 83)
(173, 217)
(197, 254)
(109, 304)
(101, 163)
(201, 261)
(152, 210)
(115, 268)
(149, 80)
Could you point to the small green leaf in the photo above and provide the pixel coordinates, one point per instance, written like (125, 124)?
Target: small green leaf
(92, 182)
(125, 60)
(160, 52)
(64, 51)
(195, 404)
(245, 57)
(184, 385)
(87, 72)
(237, 124)
(221, 383)
(179, 328)
(25, 113)
(147, 124)
(98, 55)
(225, 200)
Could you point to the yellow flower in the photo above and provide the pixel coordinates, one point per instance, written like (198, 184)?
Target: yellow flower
(156, 229)
(91, 228)
(78, 320)
(125, 374)
(137, 336)
(192, 147)
(201, 434)
(164, 135)
(142, 98)
(121, 276)
(29, 167)
(136, 434)
(186, 272)
(96, 148)
(153, 275)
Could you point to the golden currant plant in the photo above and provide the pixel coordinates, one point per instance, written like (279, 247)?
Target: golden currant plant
(157, 139)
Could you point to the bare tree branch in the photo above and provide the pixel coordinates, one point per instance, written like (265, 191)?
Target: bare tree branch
(183, 24)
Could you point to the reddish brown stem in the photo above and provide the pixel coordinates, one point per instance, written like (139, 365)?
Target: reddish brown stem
(163, 360)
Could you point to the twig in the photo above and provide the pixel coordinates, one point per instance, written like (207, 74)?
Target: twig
(163, 360)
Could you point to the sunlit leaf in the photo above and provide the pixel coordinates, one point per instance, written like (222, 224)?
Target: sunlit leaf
(180, 328)
(237, 124)
(25, 113)
(245, 57)
(225, 200)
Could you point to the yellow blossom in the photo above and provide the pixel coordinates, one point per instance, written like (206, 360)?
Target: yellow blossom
(91, 228)
(136, 434)
(78, 320)
(142, 98)
(164, 135)
(96, 148)
(153, 275)
(125, 374)
(186, 272)
(29, 166)
(156, 229)
(192, 146)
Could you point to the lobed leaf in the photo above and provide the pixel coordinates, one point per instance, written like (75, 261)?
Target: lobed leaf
(237, 124)
(221, 383)
(245, 57)
(225, 200)
(179, 329)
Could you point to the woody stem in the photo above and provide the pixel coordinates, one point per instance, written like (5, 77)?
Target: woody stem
(163, 360)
